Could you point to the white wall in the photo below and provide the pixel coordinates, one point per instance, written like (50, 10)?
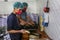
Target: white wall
(35, 6)
(40, 5)
(7, 7)
(1, 0)
(53, 30)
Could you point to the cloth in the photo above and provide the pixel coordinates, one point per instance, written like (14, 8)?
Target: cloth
(46, 15)
(45, 24)
(45, 20)
(25, 4)
(24, 16)
(18, 5)
(7, 37)
(12, 24)
(34, 17)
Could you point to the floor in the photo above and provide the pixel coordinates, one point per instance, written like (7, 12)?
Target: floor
(44, 36)
(35, 36)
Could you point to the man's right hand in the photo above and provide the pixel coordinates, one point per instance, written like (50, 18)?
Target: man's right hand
(23, 22)
(24, 31)
(18, 31)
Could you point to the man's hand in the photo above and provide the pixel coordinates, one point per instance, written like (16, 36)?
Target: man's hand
(18, 31)
(22, 22)
(24, 31)
(30, 23)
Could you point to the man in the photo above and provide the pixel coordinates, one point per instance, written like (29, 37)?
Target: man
(13, 26)
(29, 24)
(28, 19)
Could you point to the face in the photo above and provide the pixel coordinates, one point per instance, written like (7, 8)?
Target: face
(18, 11)
(24, 9)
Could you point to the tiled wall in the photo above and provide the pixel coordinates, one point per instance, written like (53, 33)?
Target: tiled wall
(53, 30)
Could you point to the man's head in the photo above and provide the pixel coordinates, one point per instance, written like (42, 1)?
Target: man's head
(18, 7)
(25, 5)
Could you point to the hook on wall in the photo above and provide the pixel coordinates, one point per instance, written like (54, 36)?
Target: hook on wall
(46, 9)
(5, 0)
